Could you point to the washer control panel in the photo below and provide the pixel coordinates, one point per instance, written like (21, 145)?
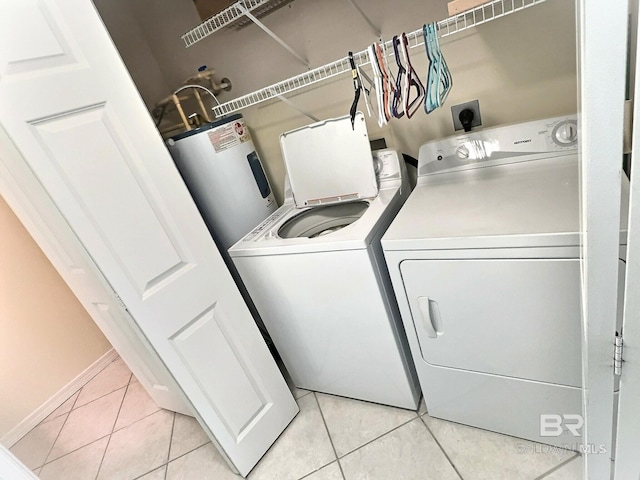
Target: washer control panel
(494, 146)
(387, 164)
(265, 225)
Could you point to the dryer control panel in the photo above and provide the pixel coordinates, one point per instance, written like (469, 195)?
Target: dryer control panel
(495, 146)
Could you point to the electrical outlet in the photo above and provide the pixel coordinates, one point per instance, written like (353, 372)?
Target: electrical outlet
(474, 106)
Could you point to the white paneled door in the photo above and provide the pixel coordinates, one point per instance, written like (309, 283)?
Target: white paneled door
(70, 107)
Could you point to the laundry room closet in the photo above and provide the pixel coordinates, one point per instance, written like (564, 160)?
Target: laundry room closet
(521, 67)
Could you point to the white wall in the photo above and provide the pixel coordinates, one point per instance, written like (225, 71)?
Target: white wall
(520, 68)
(134, 48)
(47, 338)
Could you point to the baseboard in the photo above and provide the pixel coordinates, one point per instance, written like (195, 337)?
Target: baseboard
(44, 410)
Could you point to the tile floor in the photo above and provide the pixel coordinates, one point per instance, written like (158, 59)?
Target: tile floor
(111, 430)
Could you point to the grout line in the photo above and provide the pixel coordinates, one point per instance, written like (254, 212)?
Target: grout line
(47, 419)
(165, 465)
(558, 467)
(97, 398)
(77, 394)
(104, 454)
(441, 447)
(54, 442)
(73, 406)
(380, 436)
(324, 466)
(93, 378)
(303, 395)
(115, 421)
(173, 427)
(140, 419)
(335, 453)
(364, 444)
(187, 453)
(72, 451)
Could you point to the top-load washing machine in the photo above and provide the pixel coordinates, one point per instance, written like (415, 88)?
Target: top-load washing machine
(485, 262)
(316, 272)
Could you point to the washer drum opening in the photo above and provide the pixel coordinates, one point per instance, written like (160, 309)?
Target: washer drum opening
(321, 221)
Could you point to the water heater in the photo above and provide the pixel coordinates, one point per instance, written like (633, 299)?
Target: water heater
(223, 172)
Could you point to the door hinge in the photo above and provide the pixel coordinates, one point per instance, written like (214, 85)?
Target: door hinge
(617, 355)
(120, 302)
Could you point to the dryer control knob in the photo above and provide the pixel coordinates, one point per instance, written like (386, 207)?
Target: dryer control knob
(565, 133)
(462, 152)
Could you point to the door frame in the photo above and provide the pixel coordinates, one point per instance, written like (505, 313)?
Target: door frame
(602, 40)
(627, 463)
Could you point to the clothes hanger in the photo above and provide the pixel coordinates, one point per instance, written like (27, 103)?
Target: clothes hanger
(397, 93)
(357, 88)
(386, 83)
(447, 77)
(390, 79)
(439, 80)
(431, 96)
(367, 91)
(412, 79)
(379, 84)
(444, 80)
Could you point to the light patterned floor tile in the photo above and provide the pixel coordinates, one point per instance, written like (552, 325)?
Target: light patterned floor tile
(33, 448)
(299, 392)
(82, 464)
(137, 404)
(159, 474)
(483, 455)
(330, 472)
(187, 435)
(301, 449)
(64, 408)
(114, 376)
(571, 471)
(352, 423)
(87, 424)
(407, 453)
(138, 448)
(205, 463)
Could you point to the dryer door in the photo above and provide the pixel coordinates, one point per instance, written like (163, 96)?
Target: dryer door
(517, 317)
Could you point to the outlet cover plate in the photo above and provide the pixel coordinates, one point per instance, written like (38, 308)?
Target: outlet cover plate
(473, 106)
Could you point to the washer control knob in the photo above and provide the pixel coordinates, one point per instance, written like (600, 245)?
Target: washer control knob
(462, 152)
(565, 133)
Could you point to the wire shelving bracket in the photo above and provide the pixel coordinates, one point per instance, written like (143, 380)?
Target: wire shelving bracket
(449, 26)
(234, 15)
(227, 17)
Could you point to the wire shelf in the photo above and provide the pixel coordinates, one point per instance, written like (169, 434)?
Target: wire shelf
(232, 16)
(449, 26)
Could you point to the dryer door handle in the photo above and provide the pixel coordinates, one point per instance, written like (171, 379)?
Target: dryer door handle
(431, 320)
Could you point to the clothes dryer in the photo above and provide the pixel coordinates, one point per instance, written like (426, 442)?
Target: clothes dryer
(316, 272)
(485, 262)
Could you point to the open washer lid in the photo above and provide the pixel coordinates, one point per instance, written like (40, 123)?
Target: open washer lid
(329, 162)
